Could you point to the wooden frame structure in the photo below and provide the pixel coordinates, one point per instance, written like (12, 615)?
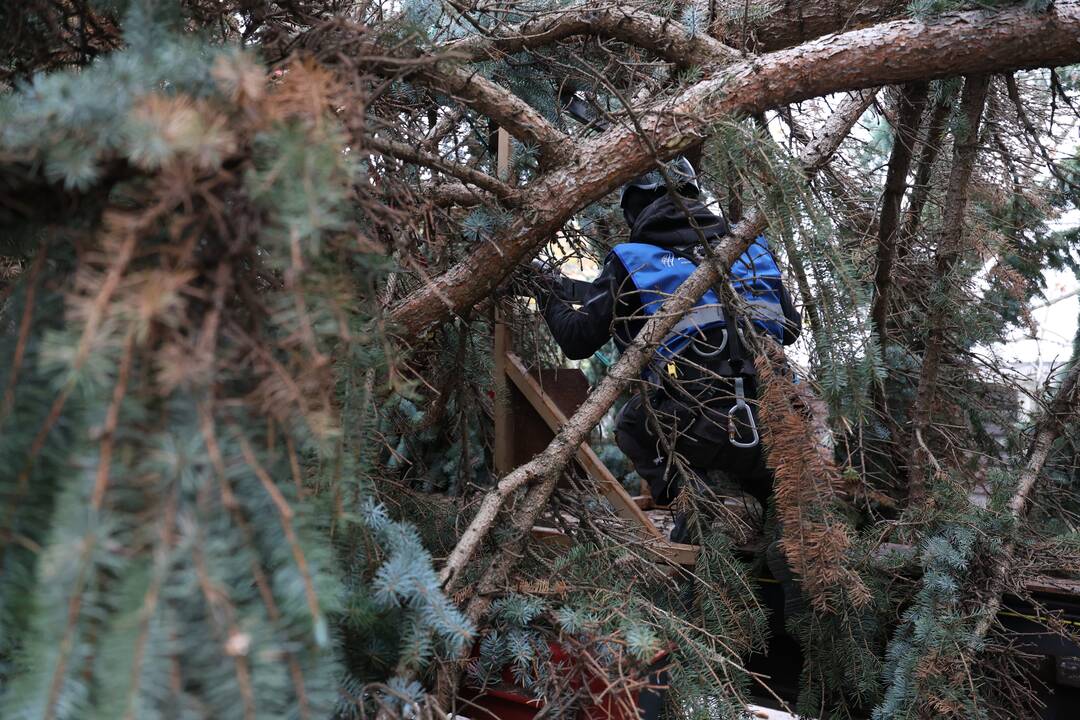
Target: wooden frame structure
(510, 367)
(512, 376)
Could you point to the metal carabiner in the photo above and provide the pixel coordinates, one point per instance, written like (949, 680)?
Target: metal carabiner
(740, 404)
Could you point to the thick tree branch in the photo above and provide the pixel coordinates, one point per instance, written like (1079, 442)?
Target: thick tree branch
(823, 143)
(509, 111)
(663, 36)
(355, 46)
(793, 23)
(894, 52)
(950, 249)
(910, 105)
(853, 216)
(447, 194)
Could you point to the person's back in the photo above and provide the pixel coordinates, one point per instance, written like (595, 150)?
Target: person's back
(697, 407)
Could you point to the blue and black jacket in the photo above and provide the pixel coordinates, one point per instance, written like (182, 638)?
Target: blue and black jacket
(639, 275)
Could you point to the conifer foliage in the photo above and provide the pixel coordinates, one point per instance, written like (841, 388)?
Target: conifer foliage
(250, 254)
(186, 423)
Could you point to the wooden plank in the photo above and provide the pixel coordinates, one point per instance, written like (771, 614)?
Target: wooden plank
(502, 156)
(607, 483)
(552, 536)
(677, 553)
(504, 422)
(566, 387)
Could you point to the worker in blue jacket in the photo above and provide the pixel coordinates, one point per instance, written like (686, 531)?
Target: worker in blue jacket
(701, 388)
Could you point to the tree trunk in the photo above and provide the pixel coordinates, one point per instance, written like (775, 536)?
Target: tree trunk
(950, 249)
(798, 21)
(910, 106)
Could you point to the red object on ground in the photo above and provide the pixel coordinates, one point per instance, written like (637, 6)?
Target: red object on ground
(510, 701)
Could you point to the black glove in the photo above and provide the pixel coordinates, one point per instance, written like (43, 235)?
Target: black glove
(533, 281)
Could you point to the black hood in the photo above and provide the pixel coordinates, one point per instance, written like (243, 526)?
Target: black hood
(665, 224)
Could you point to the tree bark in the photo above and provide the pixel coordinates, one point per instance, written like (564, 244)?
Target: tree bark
(910, 107)
(663, 36)
(894, 52)
(797, 21)
(950, 249)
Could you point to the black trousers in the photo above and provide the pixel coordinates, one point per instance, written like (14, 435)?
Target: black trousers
(636, 436)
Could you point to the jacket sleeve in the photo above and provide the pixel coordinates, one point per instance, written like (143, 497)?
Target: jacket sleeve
(792, 317)
(581, 331)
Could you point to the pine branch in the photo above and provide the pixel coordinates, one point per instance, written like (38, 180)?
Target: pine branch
(920, 189)
(93, 320)
(285, 514)
(355, 49)
(24, 332)
(813, 159)
(931, 655)
(401, 151)
(508, 111)
(815, 540)
(664, 36)
(208, 431)
(824, 142)
(854, 217)
(1033, 134)
(895, 52)
(950, 249)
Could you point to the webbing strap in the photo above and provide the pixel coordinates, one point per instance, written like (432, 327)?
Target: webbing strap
(736, 358)
(694, 321)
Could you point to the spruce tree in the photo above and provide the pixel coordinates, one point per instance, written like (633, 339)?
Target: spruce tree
(250, 260)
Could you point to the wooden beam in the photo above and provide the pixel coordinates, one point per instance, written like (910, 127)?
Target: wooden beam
(607, 483)
(504, 422)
